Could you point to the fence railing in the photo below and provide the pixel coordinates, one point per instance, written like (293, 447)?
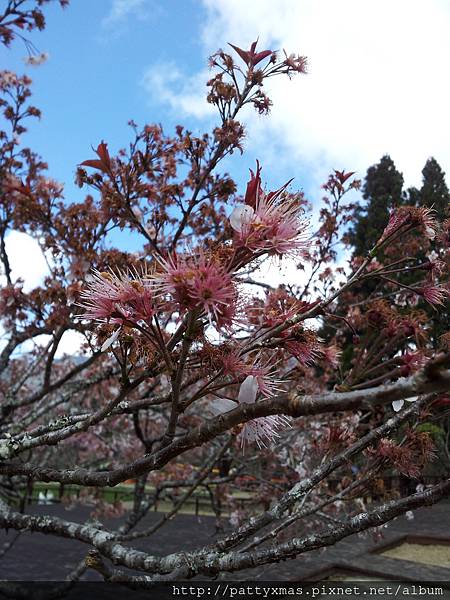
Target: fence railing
(200, 501)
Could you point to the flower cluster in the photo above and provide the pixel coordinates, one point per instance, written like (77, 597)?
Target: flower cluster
(263, 430)
(269, 223)
(433, 294)
(117, 297)
(305, 346)
(410, 457)
(277, 307)
(302, 343)
(410, 217)
(257, 380)
(200, 282)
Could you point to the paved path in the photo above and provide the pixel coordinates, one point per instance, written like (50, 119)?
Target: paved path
(39, 557)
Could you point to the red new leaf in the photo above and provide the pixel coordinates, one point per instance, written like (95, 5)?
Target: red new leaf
(253, 186)
(250, 57)
(103, 163)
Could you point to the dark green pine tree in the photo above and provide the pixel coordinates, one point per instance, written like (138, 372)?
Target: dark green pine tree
(382, 190)
(434, 192)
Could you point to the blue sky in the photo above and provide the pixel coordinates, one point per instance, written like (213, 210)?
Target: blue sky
(376, 81)
(91, 85)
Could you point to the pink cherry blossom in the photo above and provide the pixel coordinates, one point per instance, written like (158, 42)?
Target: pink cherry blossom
(411, 362)
(410, 217)
(397, 219)
(263, 373)
(200, 282)
(306, 352)
(263, 430)
(270, 223)
(118, 297)
(433, 294)
(331, 355)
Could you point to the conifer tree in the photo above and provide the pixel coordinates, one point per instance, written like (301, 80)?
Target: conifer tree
(434, 192)
(382, 190)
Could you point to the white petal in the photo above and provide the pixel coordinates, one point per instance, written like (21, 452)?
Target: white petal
(412, 399)
(430, 233)
(241, 215)
(221, 405)
(248, 390)
(112, 338)
(397, 405)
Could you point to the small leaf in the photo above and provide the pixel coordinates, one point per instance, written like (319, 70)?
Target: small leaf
(104, 164)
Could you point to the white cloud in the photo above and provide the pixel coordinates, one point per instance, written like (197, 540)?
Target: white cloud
(165, 83)
(121, 10)
(277, 272)
(26, 260)
(70, 343)
(377, 81)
